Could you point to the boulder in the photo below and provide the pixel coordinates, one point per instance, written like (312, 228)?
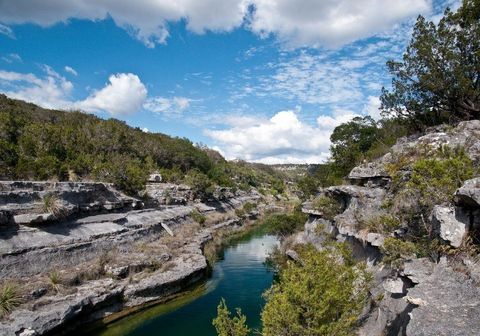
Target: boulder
(375, 239)
(293, 255)
(450, 224)
(394, 286)
(418, 270)
(369, 174)
(469, 194)
(360, 203)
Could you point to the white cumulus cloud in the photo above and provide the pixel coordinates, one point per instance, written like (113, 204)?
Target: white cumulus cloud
(52, 91)
(296, 22)
(332, 23)
(282, 138)
(123, 95)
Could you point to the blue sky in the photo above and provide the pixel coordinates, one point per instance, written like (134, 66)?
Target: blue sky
(261, 80)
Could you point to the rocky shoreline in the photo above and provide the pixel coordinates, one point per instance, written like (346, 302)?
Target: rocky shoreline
(427, 296)
(84, 251)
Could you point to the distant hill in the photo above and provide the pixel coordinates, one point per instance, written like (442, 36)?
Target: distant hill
(41, 144)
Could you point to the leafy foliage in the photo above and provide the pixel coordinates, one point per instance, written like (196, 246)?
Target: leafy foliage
(436, 179)
(396, 250)
(323, 295)
(284, 224)
(438, 79)
(385, 223)
(42, 144)
(350, 140)
(227, 325)
(353, 142)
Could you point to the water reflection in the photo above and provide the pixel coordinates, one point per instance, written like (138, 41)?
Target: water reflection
(240, 278)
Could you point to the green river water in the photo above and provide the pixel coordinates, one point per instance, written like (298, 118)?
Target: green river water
(240, 277)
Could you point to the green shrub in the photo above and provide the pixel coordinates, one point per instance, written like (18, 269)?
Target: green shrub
(436, 179)
(202, 186)
(247, 208)
(323, 295)
(284, 224)
(385, 223)
(227, 325)
(198, 217)
(395, 251)
(328, 206)
(9, 299)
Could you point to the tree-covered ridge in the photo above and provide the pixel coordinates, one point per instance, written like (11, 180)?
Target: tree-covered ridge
(39, 144)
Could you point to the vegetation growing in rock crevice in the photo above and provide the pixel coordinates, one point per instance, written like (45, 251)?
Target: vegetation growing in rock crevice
(9, 299)
(423, 180)
(198, 217)
(328, 206)
(395, 251)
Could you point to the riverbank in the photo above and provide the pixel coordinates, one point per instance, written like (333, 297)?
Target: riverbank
(90, 268)
(240, 277)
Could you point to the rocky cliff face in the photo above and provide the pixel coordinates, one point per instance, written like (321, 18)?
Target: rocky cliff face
(419, 296)
(79, 252)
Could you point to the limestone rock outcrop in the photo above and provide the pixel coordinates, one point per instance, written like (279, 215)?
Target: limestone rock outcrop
(421, 296)
(107, 250)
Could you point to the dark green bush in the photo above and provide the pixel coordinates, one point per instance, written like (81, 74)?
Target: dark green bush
(395, 251)
(322, 295)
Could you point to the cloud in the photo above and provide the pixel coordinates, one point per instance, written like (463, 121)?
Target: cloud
(313, 79)
(282, 138)
(12, 58)
(168, 106)
(146, 20)
(52, 91)
(70, 70)
(296, 23)
(372, 107)
(7, 31)
(123, 95)
(330, 23)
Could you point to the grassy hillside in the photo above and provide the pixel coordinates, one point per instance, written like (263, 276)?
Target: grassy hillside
(40, 144)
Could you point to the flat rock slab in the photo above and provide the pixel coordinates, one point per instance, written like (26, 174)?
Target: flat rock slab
(55, 235)
(111, 217)
(449, 305)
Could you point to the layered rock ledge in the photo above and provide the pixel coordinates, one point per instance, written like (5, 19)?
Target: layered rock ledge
(85, 251)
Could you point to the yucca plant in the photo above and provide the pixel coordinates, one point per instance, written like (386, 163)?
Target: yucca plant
(54, 280)
(9, 299)
(52, 204)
